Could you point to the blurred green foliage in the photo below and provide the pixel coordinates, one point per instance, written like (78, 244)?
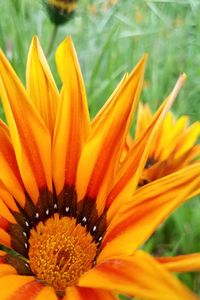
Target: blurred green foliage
(109, 40)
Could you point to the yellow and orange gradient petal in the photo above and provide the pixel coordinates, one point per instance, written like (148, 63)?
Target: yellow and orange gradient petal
(173, 148)
(66, 197)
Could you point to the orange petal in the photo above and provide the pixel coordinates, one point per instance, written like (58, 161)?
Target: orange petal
(10, 175)
(72, 122)
(47, 293)
(78, 293)
(148, 208)
(40, 84)
(181, 263)
(144, 117)
(6, 219)
(8, 199)
(101, 154)
(138, 275)
(109, 105)
(169, 138)
(188, 139)
(23, 287)
(131, 170)
(30, 137)
(5, 212)
(6, 270)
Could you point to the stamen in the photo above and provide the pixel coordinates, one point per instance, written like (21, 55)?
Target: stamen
(61, 251)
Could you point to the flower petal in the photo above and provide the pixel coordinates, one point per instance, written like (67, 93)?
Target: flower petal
(10, 176)
(19, 287)
(72, 122)
(29, 135)
(10, 264)
(6, 219)
(78, 293)
(181, 263)
(6, 270)
(138, 275)
(40, 84)
(188, 139)
(109, 105)
(132, 167)
(47, 293)
(144, 117)
(101, 154)
(148, 208)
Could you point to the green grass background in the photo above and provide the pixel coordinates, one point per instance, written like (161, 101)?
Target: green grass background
(109, 42)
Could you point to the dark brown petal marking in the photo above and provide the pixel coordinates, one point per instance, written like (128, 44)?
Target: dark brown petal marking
(142, 182)
(49, 203)
(150, 162)
(45, 205)
(100, 227)
(67, 202)
(87, 215)
(21, 266)
(30, 210)
(19, 239)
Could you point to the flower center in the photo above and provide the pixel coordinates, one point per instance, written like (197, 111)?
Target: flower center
(61, 251)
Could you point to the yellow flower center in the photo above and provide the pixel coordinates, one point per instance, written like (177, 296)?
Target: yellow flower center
(61, 251)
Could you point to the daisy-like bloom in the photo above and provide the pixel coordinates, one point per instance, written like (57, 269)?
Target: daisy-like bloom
(66, 204)
(173, 147)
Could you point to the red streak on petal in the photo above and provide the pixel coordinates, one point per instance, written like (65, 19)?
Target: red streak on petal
(4, 224)
(28, 291)
(87, 293)
(2, 260)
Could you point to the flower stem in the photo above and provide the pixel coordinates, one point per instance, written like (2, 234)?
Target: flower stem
(52, 40)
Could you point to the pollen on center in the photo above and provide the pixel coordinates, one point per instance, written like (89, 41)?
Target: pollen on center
(61, 251)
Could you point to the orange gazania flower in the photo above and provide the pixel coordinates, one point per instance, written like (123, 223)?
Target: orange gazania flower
(173, 147)
(66, 205)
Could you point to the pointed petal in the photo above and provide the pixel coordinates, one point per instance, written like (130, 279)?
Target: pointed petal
(138, 275)
(109, 105)
(148, 208)
(181, 263)
(40, 85)
(78, 293)
(101, 154)
(131, 170)
(30, 137)
(72, 122)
